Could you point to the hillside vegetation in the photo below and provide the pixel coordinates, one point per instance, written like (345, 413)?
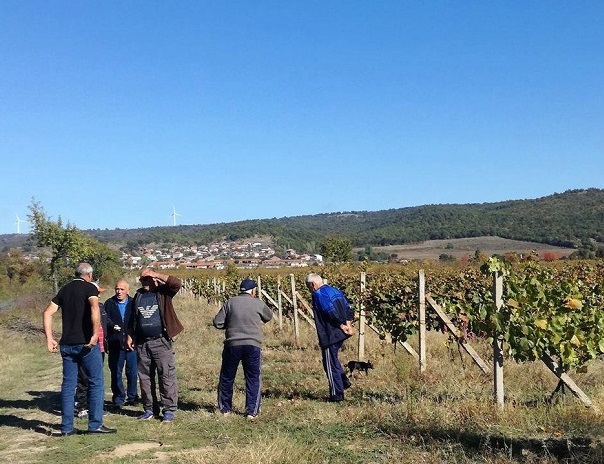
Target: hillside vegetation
(564, 219)
(574, 219)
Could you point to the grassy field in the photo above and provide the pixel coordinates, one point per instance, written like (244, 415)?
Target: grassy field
(464, 247)
(391, 415)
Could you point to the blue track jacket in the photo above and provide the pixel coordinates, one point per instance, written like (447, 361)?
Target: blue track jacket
(330, 309)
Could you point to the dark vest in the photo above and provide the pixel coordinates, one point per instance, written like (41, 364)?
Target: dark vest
(148, 318)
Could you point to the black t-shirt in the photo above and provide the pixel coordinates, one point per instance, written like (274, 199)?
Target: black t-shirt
(74, 301)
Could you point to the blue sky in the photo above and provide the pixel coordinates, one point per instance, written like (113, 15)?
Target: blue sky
(113, 113)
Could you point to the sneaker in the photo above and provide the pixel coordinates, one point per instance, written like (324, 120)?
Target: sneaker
(82, 413)
(168, 417)
(145, 416)
(346, 382)
(226, 413)
(250, 417)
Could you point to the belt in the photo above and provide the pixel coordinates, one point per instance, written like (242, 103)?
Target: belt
(148, 339)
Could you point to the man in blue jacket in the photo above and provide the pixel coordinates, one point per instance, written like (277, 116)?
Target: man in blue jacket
(333, 318)
(120, 311)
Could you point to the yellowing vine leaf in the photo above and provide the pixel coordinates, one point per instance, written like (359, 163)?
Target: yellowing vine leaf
(541, 323)
(573, 303)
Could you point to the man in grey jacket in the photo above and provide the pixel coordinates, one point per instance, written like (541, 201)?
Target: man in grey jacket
(242, 317)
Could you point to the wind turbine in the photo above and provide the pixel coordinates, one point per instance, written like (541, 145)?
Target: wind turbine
(18, 223)
(174, 214)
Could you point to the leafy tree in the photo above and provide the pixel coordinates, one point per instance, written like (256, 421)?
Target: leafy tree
(446, 258)
(337, 249)
(67, 245)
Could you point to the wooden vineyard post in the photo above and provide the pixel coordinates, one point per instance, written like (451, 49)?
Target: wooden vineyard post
(295, 305)
(279, 302)
(498, 343)
(216, 291)
(362, 319)
(422, 320)
(259, 283)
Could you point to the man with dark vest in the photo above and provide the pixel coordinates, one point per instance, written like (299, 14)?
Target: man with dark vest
(152, 331)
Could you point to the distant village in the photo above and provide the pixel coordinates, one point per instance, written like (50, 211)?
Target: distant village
(244, 255)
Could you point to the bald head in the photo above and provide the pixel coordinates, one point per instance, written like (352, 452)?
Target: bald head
(121, 290)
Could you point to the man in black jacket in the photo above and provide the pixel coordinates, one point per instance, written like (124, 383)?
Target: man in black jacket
(120, 310)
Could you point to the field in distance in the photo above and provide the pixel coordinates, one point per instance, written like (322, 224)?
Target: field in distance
(460, 247)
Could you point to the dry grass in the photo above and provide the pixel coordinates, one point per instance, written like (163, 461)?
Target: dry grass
(463, 247)
(393, 414)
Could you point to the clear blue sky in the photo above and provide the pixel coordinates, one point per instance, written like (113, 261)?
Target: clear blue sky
(114, 112)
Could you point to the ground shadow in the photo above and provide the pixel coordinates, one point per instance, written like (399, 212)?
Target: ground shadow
(38, 426)
(192, 406)
(292, 394)
(573, 449)
(47, 401)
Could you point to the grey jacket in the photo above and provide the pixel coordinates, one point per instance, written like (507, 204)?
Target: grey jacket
(242, 317)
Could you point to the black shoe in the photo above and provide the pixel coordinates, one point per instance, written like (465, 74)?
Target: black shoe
(68, 434)
(346, 383)
(133, 402)
(103, 429)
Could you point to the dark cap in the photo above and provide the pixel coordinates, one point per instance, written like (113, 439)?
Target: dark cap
(247, 284)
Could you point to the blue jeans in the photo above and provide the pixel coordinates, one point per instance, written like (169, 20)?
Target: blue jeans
(91, 361)
(251, 359)
(119, 358)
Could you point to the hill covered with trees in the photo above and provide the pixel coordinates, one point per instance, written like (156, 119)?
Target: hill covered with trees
(574, 218)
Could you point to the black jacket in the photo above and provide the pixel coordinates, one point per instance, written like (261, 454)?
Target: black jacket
(117, 339)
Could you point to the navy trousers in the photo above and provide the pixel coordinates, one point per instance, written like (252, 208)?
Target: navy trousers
(251, 360)
(118, 359)
(335, 372)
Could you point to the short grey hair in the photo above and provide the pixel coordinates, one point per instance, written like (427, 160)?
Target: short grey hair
(83, 269)
(316, 278)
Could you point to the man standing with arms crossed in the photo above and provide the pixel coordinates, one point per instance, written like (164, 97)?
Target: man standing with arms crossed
(81, 319)
(120, 311)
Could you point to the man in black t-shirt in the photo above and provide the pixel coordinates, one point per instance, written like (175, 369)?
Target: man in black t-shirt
(81, 319)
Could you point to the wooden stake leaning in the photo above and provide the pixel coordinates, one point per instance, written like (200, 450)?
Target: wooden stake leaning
(566, 380)
(464, 344)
